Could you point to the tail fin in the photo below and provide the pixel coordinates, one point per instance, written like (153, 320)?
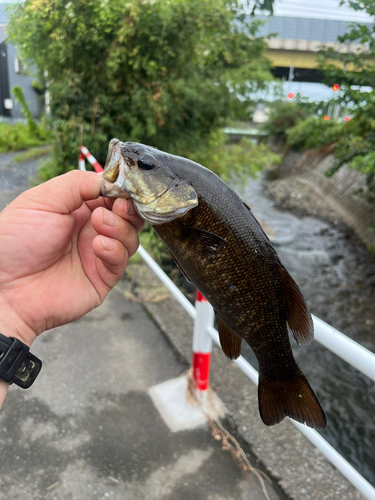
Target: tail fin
(292, 398)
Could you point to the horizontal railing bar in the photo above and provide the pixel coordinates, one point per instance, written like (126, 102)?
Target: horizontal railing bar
(347, 349)
(312, 435)
(177, 294)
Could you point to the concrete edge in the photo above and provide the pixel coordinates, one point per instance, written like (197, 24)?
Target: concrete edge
(299, 469)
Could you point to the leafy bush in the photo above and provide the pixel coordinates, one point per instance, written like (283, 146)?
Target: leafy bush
(165, 73)
(314, 132)
(282, 116)
(242, 160)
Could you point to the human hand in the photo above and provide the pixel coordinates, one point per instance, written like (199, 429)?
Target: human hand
(61, 251)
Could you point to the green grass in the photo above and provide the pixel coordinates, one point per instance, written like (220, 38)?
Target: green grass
(17, 136)
(32, 154)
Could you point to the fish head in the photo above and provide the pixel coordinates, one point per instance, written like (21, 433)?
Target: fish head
(145, 175)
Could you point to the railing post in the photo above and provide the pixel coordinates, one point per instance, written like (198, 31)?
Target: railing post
(81, 161)
(86, 154)
(202, 343)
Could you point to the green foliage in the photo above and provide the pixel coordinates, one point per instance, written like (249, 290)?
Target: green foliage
(242, 160)
(355, 73)
(315, 132)
(164, 72)
(33, 127)
(282, 116)
(16, 136)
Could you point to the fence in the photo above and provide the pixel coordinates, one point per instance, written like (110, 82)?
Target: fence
(353, 353)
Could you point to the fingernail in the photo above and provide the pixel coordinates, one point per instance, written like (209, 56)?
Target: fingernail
(131, 210)
(109, 219)
(108, 243)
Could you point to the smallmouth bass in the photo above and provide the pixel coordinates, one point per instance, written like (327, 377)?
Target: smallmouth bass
(221, 248)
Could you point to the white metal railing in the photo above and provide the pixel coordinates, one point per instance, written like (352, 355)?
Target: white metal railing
(332, 339)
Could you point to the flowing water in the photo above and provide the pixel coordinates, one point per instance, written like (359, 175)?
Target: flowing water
(337, 277)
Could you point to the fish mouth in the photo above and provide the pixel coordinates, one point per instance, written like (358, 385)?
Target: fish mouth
(114, 178)
(117, 171)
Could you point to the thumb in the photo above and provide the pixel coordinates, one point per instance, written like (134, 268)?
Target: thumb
(62, 194)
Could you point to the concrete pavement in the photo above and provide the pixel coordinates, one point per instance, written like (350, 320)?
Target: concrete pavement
(88, 429)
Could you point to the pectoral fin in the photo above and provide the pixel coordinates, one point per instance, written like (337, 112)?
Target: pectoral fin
(203, 240)
(230, 342)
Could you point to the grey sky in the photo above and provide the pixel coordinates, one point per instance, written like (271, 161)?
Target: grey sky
(322, 9)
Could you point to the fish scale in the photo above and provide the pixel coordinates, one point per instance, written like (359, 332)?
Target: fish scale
(222, 249)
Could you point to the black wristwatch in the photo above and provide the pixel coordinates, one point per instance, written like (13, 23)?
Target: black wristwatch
(17, 364)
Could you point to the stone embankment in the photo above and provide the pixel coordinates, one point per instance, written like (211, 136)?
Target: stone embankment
(300, 182)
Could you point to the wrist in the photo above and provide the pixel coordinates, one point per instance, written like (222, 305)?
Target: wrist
(12, 325)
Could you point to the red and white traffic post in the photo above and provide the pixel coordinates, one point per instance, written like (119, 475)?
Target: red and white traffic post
(202, 343)
(85, 153)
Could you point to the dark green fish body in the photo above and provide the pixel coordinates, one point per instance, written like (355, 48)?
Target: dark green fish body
(221, 248)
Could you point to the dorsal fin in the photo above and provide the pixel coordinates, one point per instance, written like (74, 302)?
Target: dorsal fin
(298, 315)
(230, 342)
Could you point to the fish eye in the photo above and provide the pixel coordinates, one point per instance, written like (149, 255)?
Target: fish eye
(146, 162)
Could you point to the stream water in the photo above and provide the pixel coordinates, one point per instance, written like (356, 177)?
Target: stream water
(337, 277)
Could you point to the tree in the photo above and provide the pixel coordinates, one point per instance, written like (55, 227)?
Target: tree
(163, 72)
(354, 72)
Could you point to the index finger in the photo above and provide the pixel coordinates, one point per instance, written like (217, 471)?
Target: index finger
(125, 209)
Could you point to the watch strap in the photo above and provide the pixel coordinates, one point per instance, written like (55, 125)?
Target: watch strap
(17, 364)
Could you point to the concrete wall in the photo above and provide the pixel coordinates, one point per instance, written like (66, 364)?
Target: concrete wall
(347, 189)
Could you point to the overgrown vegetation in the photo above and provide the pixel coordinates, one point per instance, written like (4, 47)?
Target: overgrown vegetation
(16, 136)
(31, 124)
(168, 73)
(314, 132)
(242, 160)
(354, 72)
(282, 116)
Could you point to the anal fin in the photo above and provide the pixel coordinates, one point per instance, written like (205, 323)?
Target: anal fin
(230, 342)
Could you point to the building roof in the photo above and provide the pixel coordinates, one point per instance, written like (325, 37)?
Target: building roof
(299, 28)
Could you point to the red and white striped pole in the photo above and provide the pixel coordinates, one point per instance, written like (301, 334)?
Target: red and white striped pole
(202, 342)
(81, 161)
(85, 153)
